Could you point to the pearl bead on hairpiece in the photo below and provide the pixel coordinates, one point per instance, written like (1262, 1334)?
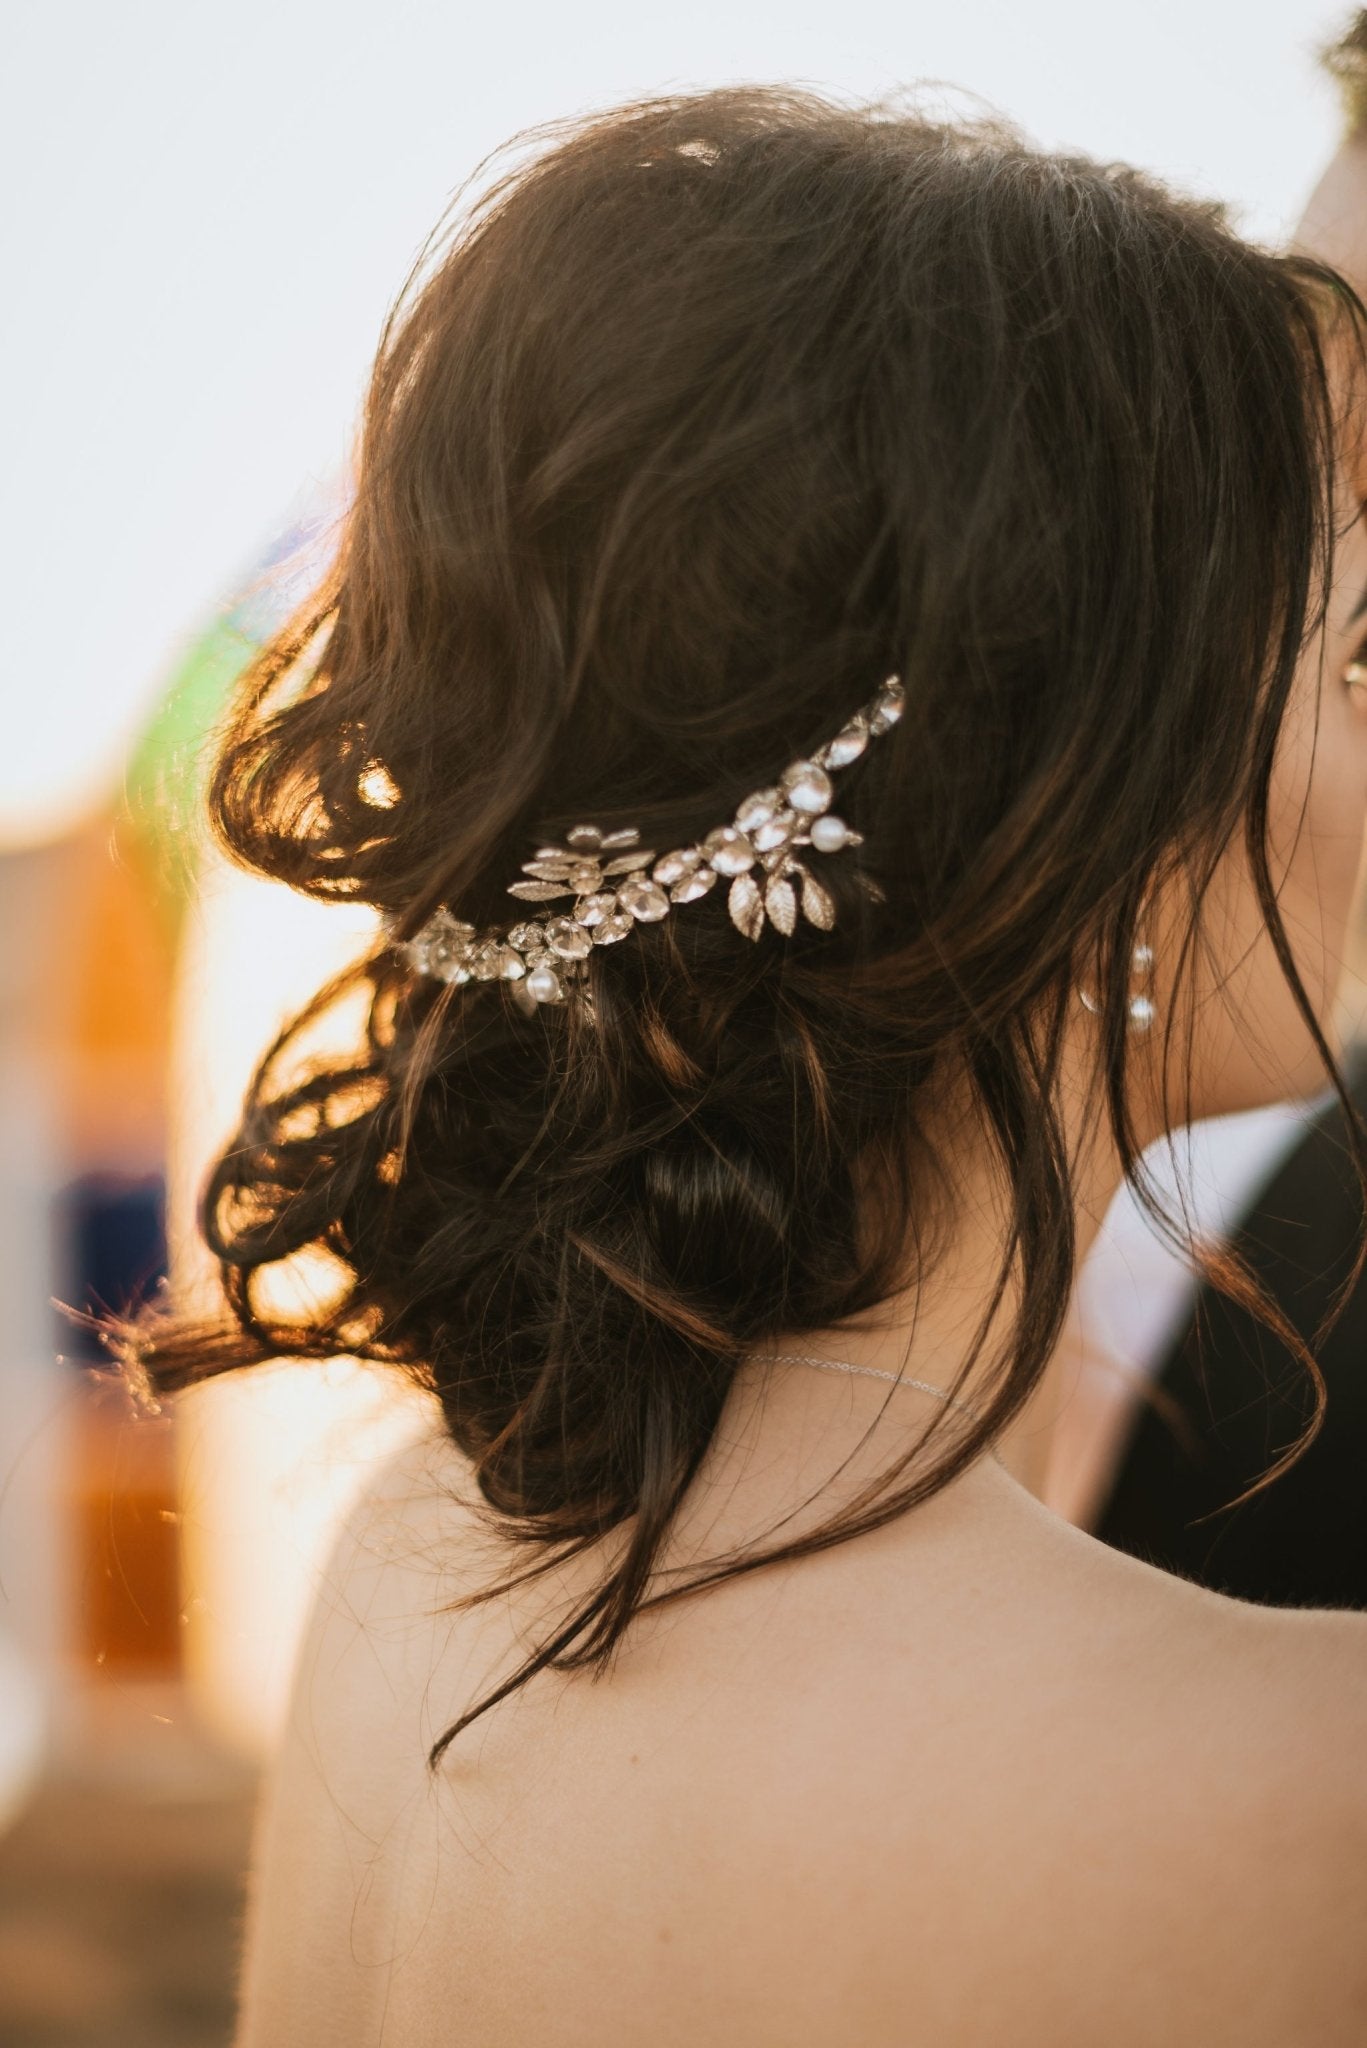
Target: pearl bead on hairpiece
(617, 884)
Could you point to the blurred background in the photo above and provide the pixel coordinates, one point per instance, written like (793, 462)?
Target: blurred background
(208, 211)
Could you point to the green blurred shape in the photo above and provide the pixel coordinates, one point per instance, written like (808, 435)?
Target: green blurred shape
(167, 770)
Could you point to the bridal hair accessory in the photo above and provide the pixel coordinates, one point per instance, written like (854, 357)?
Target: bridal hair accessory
(617, 884)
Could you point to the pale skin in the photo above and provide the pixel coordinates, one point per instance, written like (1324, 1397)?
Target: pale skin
(971, 1779)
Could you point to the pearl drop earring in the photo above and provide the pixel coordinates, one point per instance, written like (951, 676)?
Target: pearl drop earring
(1141, 1008)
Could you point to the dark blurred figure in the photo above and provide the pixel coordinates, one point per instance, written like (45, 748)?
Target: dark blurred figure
(1233, 1398)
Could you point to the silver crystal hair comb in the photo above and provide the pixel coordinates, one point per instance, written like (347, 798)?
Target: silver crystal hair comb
(617, 883)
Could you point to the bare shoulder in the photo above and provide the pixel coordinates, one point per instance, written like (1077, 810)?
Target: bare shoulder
(1182, 1774)
(417, 1533)
(1300, 1675)
(1285, 1686)
(341, 1815)
(1293, 1680)
(1256, 1800)
(1297, 1683)
(1314, 1659)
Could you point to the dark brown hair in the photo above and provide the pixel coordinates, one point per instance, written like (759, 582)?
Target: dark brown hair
(707, 417)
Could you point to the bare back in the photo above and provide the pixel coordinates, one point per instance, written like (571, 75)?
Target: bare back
(971, 1778)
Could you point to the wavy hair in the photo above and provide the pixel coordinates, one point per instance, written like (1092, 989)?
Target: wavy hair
(708, 414)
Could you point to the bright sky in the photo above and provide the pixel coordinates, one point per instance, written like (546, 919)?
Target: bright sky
(210, 208)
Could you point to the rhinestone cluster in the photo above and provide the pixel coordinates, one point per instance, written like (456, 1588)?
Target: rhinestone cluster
(615, 883)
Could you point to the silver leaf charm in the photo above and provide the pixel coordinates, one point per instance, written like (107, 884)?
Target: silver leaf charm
(626, 862)
(781, 903)
(817, 905)
(551, 867)
(746, 906)
(539, 892)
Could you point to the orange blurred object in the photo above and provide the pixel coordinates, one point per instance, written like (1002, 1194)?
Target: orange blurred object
(124, 1522)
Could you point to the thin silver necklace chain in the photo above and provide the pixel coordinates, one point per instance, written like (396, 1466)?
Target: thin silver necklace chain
(869, 1372)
